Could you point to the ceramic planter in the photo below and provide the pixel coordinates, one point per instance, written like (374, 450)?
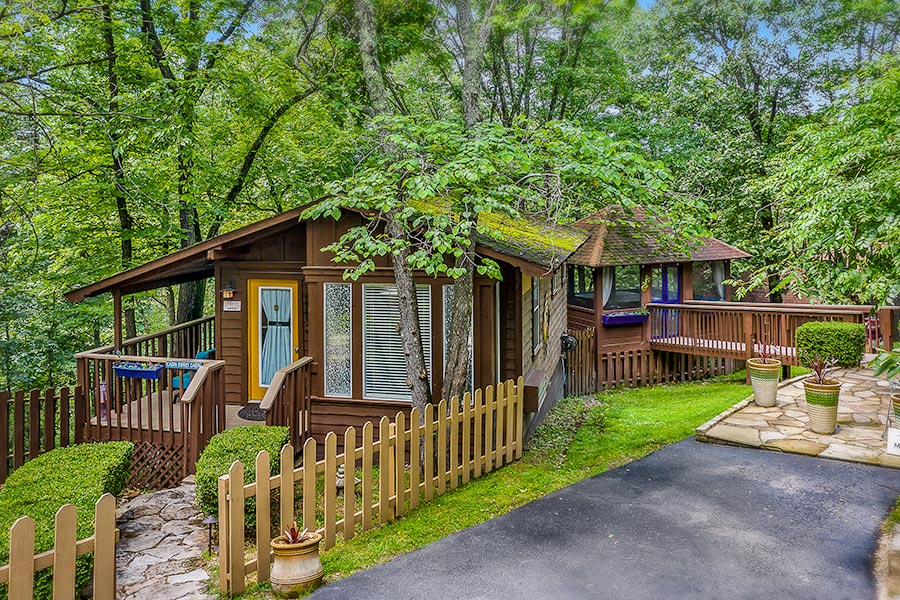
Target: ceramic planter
(822, 405)
(297, 567)
(764, 378)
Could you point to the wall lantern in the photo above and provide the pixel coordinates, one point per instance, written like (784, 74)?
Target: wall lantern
(228, 292)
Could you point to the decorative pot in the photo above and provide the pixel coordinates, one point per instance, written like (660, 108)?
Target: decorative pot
(297, 567)
(822, 405)
(764, 376)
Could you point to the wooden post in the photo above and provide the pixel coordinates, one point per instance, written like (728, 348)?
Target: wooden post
(309, 484)
(330, 491)
(263, 514)
(235, 528)
(105, 548)
(64, 553)
(286, 490)
(350, 482)
(21, 559)
(885, 323)
(117, 318)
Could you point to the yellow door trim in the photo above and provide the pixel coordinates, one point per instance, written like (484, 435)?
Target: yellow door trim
(257, 391)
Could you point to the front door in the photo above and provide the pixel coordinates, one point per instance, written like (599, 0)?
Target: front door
(665, 286)
(274, 334)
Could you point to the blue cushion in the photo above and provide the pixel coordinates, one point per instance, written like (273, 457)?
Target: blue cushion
(176, 381)
(206, 354)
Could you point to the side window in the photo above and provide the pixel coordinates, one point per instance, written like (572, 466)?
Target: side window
(621, 287)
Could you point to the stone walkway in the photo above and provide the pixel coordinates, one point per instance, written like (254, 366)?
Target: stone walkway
(159, 555)
(862, 411)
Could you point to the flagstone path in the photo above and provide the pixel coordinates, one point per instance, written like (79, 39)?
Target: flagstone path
(862, 410)
(159, 554)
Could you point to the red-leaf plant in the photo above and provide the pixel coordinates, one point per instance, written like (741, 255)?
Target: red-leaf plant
(820, 368)
(294, 536)
(766, 354)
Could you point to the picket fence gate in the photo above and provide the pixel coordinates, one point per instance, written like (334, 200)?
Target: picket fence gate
(24, 563)
(473, 437)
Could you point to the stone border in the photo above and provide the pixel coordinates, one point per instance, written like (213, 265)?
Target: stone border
(700, 432)
(887, 565)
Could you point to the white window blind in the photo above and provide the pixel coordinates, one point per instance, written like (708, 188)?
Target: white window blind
(384, 364)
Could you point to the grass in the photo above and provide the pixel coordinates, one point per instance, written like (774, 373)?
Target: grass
(580, 437)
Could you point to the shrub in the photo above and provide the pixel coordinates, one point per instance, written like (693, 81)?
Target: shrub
(243, 444)
(76, 475)
(832, 339)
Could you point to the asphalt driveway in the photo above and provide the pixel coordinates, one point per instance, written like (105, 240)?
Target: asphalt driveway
(692, 521)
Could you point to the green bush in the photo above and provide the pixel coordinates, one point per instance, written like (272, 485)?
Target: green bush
(243, 444)
(76, 475)
(832, 339)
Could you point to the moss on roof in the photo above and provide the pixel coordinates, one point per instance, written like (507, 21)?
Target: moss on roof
(544, 243)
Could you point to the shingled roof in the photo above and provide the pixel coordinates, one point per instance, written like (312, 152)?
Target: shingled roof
(619, 237)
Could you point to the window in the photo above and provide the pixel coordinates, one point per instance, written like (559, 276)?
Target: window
(621, 287)
(556, 281)
(581, 286)
(535, 313)
(448, 316)
(665, 284)
(384, 364)
(338, 332)
(709, 278)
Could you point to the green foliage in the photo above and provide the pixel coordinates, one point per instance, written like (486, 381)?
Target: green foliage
(887, 363)
(442, 183)
(844, 342)
(836, 185)
(76, 475)
(241, 443)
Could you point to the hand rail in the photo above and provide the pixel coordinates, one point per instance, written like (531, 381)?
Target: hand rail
(278, 380)
(199, 379)
(735, 307)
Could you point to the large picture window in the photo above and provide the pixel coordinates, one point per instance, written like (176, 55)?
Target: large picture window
(581, 286)
(384, 364)
(621, 287)
(709, 280)
(338, 333)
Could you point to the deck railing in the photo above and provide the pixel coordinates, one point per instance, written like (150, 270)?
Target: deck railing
(180, 341)
(738, 330)
(169, 416)
(288, 400)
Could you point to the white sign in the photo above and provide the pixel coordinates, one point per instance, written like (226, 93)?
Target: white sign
(231, 306)
(893, 442)
(187, 365)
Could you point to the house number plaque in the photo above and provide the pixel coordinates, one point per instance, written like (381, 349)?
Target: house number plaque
(231, 306)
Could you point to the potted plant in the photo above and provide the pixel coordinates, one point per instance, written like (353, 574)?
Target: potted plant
(822, 396)
(626, 317)
(765, 371)
(135, 370)
(297, 567)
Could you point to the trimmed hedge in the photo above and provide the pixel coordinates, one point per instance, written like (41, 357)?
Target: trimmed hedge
(76, 475)
(832, 339)
(241, 443)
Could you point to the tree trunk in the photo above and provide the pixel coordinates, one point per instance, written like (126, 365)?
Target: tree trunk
(126, 222)
(416, 374)
(456, 369)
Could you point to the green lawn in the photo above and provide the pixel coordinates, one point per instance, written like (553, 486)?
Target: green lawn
(581, 437)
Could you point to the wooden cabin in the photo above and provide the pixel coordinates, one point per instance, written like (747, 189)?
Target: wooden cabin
(281, 298)
(628, 263)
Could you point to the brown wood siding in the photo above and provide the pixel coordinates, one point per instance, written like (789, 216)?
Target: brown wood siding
(547, 357)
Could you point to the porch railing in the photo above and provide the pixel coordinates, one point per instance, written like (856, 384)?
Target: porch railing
(288, 400)
(181, 341)
(738, 330)
(169, 416)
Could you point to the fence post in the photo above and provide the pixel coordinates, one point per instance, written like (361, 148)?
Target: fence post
(384, 476)
(399, 464)
(64, 540)
(415, 440)
(350, 483)
(21, 559)
(105, 548)
(330, 492)
(224, 533)
(286, 493)
(367, 447)
(309, 484)
(263, 515)
(520, 417)
(428, 465)
(236, 527)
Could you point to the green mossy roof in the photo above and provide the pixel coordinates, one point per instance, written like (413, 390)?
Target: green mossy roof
(543, 243)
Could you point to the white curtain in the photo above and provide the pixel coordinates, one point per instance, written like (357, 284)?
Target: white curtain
(276, 343)
(608, 282)
(718, 271)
